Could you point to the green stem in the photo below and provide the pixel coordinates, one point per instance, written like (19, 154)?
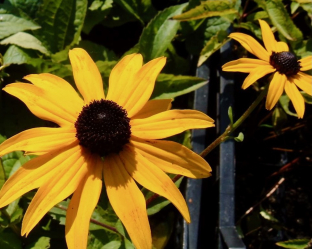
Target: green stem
(224, 136)
(229, 130)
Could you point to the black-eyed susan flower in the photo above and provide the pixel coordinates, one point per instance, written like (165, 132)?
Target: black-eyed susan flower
(277, 59)
(113, 137)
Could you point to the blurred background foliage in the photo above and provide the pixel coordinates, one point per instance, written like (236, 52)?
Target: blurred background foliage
(36, 35)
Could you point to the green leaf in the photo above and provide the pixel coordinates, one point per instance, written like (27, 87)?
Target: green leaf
(239, 138)
(267, 216)
(160, 202)
(162, 229)
(281, 20)
(214, 44)
(40, 243)
(159, 33)
(294, 244)
(230, 114)
(10, 24)
(279, 118)
(17, 55)
(131, 6)
(98, 52)
(27, 6)
(25, 40)
(2, 175)
(251, 26)
(285, 101)
(209, 28)
(169, 86)
(61, 22)
(307, 98)
(208, 9)
(96, 13)
(9, 240)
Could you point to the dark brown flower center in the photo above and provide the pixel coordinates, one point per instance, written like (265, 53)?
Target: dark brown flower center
(285, 62)
(103, 127)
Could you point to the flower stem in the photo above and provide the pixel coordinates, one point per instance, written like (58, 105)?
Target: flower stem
(223, 137)
(229, 130)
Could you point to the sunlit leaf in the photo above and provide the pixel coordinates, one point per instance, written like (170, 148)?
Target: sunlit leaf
(10, 24)
(40, 243)
(25, 40)
(158, 34)
(281, 19)
(169, 86)
(294, 244)
(214, 44)
(208, 9)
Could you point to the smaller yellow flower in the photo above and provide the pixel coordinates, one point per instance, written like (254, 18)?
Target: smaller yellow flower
(276, 59)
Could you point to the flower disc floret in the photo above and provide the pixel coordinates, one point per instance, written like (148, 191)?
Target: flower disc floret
(103, 127)
(285, 63)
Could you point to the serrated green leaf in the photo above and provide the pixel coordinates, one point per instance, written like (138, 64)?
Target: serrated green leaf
(17, 55)
(208, 9)
(9, 240)
(10, 24)
(214, 44)
(61, 22)
(281, 20)
(25, 40)
(159, 33)
(209, 28)
(40, 243)
(169, 86)
(294, 244)
(27, 6)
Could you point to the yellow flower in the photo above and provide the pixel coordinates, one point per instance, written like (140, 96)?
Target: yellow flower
(276, 59)
(114, 137)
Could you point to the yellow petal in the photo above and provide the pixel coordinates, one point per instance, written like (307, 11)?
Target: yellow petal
(256, 74)
(244, 65)
(57, 88)
(87, 76)
(281, 47)
(169, 123)
(268, 37)
(139, 92)
(276, 89)
(306, 63)
(251, 45)
(42, 104)
(35, 173)
(63, 184)
(127, 201)
(303, 81)
(153, 107)
(82, 205)
(295, 97)
(151, 177)
(172, 157)
(39, 139)
(123, 75)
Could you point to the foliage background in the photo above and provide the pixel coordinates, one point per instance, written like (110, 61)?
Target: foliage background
(36, 35)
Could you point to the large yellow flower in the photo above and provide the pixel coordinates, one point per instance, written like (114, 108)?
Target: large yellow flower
(114, 137)
(276, 59)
